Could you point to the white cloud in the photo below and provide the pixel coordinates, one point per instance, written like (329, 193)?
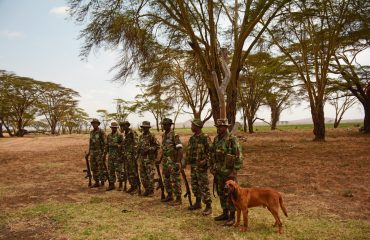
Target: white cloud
(10, 34)
(59, 10)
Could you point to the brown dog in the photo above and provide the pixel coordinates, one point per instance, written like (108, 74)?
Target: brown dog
(244, 198)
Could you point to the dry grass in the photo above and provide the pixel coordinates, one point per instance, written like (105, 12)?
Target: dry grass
(325, 186)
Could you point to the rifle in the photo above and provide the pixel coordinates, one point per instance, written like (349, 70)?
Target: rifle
(137, 172)
(105, 168)
(215, 185)
(160, 181)
(188, 193)
(124, 173)
(88, 169)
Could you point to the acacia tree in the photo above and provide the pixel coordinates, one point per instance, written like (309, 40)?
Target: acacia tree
(309, 33)
(181, 73)
(355, 78)
(74, 120)
(154, 100)
(341, 103)
(55, 102)
(254, 85)
(143, 28)
(281, 94)
(123, 109)
(19, 95)
(105, 117)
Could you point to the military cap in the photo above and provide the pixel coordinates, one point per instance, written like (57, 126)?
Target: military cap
(221, 122)
(167, 121)
(197, 122)
(95, 120)
(124, 123)
(145, 124)
(113, 125)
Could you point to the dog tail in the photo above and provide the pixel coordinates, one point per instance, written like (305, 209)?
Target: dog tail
(282, 205)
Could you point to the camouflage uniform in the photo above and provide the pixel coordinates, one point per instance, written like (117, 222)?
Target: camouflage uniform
(96, 149)
(198, 156)
(147, 148)
(226, 161)
(114, 142)
(171, 169)
(129, 152)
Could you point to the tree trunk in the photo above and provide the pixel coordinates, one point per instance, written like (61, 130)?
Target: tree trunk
(275, 116)
(245, 123)
(318, 118)
(336, 123)
(20, 132)
(157, 124)
(1, 130)
(232, 97)
(367, 116)
(7, 128)
(250, 125)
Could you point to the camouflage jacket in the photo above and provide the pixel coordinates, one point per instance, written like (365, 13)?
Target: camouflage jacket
(129, 144)
(113, 145)
(226, 154)
(198, 149)
(148, 145)
(97, 140)
(170, 142)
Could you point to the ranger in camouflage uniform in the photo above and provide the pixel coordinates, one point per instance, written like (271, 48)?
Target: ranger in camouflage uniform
(96, 150)
(129, 151)
(198, 151)
(114, 142)
(147, 150)
(225, 161)
(171, 157)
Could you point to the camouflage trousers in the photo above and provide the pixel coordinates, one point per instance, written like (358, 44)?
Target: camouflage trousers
(199, 183)
(97, 166)
(115, 166)
(225, 202)
(171, 172)
(147, 172)
(131, 170)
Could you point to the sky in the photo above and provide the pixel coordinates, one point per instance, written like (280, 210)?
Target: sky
(39, 40)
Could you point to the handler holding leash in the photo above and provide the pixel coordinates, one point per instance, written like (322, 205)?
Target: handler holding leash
(225, 161)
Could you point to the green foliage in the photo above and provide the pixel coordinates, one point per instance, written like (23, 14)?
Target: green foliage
(23, 99)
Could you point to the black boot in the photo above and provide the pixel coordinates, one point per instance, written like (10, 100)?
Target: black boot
(146, 193)
(110, 187)
(169, 198)
(177, 202)
(96, 184)
(133, 190)
(130, 189)
(224, 216)
(150, 193)
(197, 205)
(208, 210)
(231, 220)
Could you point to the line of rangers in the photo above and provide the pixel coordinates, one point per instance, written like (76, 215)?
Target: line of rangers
(133, 158)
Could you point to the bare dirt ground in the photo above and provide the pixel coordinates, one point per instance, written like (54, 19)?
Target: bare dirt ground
(331, 178)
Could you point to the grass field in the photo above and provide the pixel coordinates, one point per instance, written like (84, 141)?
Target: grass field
(325, 186)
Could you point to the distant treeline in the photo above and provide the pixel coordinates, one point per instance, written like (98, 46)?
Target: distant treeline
(26, 103)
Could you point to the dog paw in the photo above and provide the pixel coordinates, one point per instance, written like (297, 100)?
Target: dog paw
(236, 225)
